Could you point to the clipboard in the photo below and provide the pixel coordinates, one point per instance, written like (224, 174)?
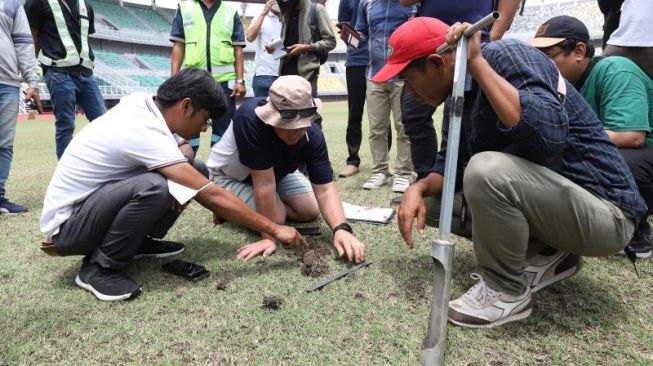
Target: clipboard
(349, 35)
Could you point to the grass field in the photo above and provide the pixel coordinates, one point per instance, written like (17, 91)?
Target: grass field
(378, 316)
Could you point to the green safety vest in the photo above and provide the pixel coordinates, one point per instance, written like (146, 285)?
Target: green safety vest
(217, 48)
(72, 58)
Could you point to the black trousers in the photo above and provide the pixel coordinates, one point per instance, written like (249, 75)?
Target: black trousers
(356, 89)
(112, 222)
(640, 162)
(417, 118)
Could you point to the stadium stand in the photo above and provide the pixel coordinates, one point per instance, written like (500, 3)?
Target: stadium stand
(133, 51)
(587, 11)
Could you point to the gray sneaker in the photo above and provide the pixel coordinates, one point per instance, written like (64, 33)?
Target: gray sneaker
(483, 307)
(543, 271)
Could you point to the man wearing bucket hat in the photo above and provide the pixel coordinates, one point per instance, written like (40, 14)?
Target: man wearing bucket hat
(258, 157)
(526, 136)
(621, 95)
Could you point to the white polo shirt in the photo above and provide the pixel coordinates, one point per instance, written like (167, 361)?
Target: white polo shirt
(265, 64)
(130, 139)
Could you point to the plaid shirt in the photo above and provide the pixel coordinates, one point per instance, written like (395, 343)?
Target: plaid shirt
(560, 133)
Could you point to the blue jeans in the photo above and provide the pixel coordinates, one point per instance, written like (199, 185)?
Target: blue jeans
(261, 84)
(219, 125)
(66, 92)
(8, 116)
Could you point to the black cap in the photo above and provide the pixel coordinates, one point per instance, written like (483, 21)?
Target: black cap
(558, 29)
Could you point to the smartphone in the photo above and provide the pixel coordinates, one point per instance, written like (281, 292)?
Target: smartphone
(310, 230)
(31, 105)
(190, 271)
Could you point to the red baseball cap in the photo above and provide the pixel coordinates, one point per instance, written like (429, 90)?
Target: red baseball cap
(416, 38)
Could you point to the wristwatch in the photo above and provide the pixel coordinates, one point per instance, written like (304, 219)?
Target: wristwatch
(242, 82)
(344, 226)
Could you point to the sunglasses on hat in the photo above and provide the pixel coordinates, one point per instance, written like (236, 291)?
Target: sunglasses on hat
(292, 113)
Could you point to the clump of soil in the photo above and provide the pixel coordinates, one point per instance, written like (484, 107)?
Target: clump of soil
(313, 259)
(272, 303)
(223, 283)
(313, 262)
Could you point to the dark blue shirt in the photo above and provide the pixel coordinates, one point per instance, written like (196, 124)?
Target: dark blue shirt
(376, 20)
(259, 148)
(450, 12)
(177, 32)
(565, 136)
(348, 13)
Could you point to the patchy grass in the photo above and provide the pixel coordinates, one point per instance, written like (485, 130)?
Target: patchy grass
(376, 316)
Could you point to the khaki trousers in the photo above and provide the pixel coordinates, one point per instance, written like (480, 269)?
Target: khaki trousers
(381, 99)
(516, 205)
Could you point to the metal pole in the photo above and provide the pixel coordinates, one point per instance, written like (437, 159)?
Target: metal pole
(442, 249)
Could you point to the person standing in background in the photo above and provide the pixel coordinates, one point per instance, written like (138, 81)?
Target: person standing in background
(60, 29)
(265, 28)
(17, 58)
(632, 39)
(416, 115)
(208, 34)
(376, 20)
(355, 63)
(303, 51)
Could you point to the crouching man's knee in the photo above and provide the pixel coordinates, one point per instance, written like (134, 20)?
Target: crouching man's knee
(485, 174)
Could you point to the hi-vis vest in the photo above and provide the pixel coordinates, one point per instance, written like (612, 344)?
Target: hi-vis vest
(215, 54)
(72, 58)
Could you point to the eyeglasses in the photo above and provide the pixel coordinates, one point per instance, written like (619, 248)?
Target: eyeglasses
(292, 113)
(554, 55)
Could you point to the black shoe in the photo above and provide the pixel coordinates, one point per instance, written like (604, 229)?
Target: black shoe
(640, 245)
(152, 248)
(10, 208)
(641, 248)
(106, 284)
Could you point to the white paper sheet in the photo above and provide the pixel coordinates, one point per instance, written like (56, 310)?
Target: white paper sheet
(279, 49)
(374, 215)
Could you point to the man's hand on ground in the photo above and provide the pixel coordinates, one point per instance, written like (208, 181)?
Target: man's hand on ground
(347, 245)
(412, 207)
(289, 237)
(264, 247)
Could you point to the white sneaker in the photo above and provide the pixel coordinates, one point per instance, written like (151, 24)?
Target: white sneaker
(376, 181)
(400, 183)
(543, 271)
(483, 307)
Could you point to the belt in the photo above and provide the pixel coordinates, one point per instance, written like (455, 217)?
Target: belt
(48, 248)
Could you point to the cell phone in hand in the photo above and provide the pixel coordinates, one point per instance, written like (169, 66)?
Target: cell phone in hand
(190, 271)
(311, 230)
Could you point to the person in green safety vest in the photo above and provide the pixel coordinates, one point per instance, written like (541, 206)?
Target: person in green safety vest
(208, 34)
(60, 29)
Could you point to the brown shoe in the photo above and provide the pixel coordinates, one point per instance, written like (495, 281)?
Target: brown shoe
(348, 171)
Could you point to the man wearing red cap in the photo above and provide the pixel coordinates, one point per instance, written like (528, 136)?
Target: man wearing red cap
(543, 185)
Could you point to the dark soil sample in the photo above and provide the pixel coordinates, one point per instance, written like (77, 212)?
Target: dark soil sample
(221, 285)
(313, 262)
(272, 303)
(223, 282)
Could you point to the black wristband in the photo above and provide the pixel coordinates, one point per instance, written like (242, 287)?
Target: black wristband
(344, 226)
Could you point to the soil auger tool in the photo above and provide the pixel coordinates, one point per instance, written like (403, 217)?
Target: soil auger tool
(442, 249)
